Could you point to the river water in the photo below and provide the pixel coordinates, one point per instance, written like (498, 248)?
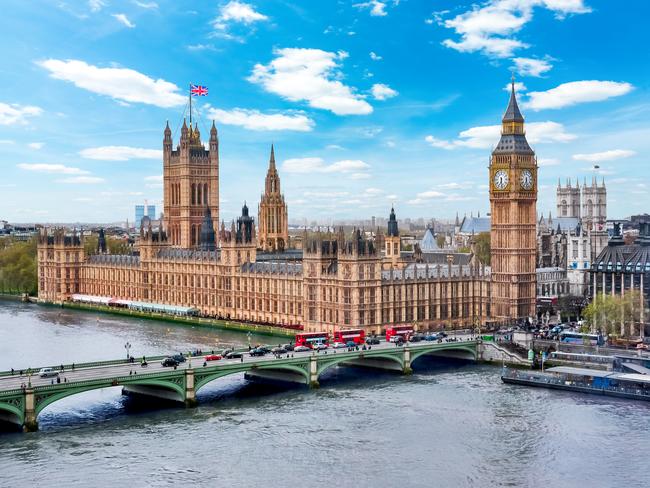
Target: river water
(449, 424)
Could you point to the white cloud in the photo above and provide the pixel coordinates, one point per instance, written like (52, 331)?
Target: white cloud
(201, 47)
(237, 12)
(154, 179)
(310, 75)
(359, 176)
(532, 66)
(120, 153)
(147, 5)
(81, 180)
(519, 87)
(124, 20)
(605, 155)
(377, 8)
(95, 5)
(52, 168)
(487, 136)
(490, 28)
(256, 120)
(122, 84)
(35, 145)
(375, 57)
(575, 92)
(334, 146)
(547, 162)
(382, 92)
(441, 143)
(430, 194)
(317, 165)
(17, 114)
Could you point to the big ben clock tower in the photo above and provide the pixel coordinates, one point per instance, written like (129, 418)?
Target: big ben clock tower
(513, 201)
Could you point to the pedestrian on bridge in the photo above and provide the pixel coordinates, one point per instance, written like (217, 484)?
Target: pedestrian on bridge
(12, 371)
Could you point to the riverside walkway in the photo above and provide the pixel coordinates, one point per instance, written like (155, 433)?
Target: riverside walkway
(22, 398)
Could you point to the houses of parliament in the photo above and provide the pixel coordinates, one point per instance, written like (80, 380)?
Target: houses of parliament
(248, 271)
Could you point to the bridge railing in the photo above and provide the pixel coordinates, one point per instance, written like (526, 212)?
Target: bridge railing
(113, 362)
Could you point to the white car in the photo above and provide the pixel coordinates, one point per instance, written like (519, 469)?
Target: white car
(320, 347)
(47, 372)
(301, 349)
(339, 345)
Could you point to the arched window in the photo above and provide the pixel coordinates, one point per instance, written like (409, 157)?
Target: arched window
(193, 194)
(199, 199)
(590, 208)
(205, 193)
(563, 205)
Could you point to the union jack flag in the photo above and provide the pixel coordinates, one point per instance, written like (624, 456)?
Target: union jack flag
(198, 90)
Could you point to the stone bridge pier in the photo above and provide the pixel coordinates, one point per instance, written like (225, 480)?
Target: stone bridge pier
(30, 422)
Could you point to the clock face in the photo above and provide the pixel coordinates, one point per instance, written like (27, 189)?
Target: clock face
(501, 179)
(526, 179)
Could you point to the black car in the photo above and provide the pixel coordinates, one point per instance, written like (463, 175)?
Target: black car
(416, 337)
(234, 355)
(288, 347)
(258, 351)
(169, 362)
(179, 358)
(372, 341)
(279, 350)
(442, 334)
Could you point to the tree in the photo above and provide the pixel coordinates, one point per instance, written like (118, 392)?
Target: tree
(482, 247)
(18, 267)
(615, 314)
(603, 313)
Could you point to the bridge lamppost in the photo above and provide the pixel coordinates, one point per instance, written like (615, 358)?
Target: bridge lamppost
(127, 346)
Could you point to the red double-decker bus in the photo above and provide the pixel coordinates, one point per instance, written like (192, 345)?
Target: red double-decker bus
(358, 336)
(403, 331)
(310, 338)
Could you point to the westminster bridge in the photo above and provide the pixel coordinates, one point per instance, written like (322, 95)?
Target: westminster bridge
(23, 398)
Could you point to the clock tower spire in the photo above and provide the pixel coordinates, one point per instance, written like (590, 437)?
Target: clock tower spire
(513, 202)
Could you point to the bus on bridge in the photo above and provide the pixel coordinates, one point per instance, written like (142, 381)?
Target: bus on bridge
(403, 331)
(358, 336)
(310, 338)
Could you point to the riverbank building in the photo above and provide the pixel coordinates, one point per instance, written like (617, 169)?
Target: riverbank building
(248, 271)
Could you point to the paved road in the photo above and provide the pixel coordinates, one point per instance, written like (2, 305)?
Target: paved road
(111, 371)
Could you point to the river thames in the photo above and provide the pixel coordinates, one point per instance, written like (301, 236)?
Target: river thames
(449, 424)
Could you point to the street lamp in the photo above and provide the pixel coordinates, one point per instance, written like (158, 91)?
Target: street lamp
(248, 336)
(127, 346)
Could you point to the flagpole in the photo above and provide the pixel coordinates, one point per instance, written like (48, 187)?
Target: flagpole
(190, 104)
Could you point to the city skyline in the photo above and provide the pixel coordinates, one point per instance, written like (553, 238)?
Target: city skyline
(82, 122)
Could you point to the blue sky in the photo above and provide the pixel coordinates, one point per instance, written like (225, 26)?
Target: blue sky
(368, 103)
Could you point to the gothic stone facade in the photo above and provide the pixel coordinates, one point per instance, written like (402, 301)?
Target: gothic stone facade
(336, 282)
(513, 199)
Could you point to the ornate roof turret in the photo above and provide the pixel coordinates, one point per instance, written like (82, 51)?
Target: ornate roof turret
(393, 229)
(213, 131)
(272, 159)
(513, 137)
(207, 240)
(512, 113)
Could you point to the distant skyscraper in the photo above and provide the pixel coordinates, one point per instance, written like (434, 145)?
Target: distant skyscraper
(139, 213)
(145, 210)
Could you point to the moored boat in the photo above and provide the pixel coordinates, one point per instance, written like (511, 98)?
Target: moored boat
(595, 381)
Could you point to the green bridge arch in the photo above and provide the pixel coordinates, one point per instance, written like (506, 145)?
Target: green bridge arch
(203, 378)
(14, 406)
(468, 351)
(325, 364)
(43, 399)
